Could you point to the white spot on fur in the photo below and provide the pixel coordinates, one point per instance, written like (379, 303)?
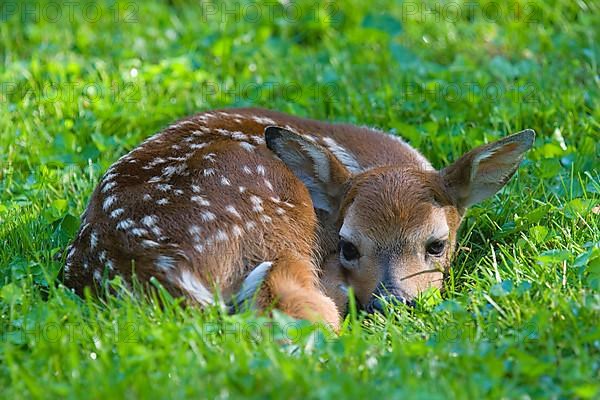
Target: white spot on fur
(247, 146)
(207, 216)
(237, 135)
(232, 210)
(200, 200)
(125, 224)
(279, 211)
(250, 225)
(206, 117)
(242, 189)
(108, 185)
(225, 181)
(155, 179)
(208, 172)
(116, 213)
(109, 201)
(263, 120)
(149, 220)
(257, 203)
(157, 160)
(210, 157)
(266, 219)
(162, 201)
(139, 232)
(93, 239)
(260, 169)
(182, 124)
(150, 243)
(164, 187)
(165, 263)
(173, 169)
(147, 197)
(195, 230)
(110, 177)
(268, 184)
(221, 236)
(247, 170)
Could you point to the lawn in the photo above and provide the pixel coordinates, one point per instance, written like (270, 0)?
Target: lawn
(81, 83)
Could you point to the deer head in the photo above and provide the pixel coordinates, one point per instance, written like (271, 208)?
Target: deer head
(391, 230)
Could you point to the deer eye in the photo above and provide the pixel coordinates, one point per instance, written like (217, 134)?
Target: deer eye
(436, 247)
(348, 250)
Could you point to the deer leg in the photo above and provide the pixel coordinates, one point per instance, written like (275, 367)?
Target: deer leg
(294, 287)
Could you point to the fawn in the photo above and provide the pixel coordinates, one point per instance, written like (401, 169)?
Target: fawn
(250, 200)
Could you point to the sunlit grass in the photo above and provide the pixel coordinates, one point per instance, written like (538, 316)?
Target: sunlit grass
(519, 316)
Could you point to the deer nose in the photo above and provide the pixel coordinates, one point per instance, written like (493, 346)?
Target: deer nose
(378, 304)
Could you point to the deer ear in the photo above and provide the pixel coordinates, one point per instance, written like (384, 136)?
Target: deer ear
(481, 172)
(320, 171)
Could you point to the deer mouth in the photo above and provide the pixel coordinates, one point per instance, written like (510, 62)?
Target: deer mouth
(386, 296)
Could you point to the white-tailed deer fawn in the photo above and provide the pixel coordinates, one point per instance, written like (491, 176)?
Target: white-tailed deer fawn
(207, 204)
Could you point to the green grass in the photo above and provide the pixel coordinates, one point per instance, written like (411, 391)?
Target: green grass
(520, 315)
